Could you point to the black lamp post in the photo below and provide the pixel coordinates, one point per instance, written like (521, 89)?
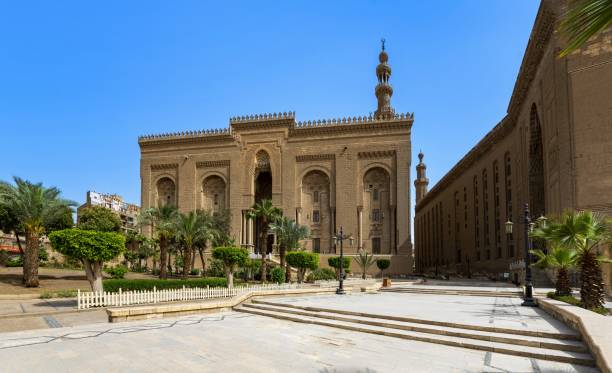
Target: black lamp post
(340, 236)
(528, 300)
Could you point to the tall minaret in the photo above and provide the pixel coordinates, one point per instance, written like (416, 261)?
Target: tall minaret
(383, 90)
(421, 181)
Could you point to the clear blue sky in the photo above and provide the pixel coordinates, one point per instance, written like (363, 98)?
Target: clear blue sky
(80, 81)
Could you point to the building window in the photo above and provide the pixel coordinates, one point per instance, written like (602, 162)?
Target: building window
(315, 196)
(316, 245)
(375, 194)
(316, 216)
(216, 199)
(376, 245)
(376, 215)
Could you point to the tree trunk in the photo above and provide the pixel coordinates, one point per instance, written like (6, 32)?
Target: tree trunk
(93, 270)
(592, 290)
(230, 278)
(301, 272)
(563, 284)
(30, 261)
(169, 263)
(282, 251)
(203, 262)
(363, 275)
(193, 256)
(163, 251)
(263, 250)
(186, 261)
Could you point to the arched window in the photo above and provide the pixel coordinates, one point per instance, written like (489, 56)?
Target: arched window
(166, 192)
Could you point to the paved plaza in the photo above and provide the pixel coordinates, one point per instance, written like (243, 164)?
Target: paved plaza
(239, 342)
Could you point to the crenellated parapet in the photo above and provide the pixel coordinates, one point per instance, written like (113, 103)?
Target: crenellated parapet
(217, 134)
(352, 121)
(263, 117)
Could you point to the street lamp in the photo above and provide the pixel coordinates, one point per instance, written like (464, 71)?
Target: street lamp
(340, 237)
(528, 300)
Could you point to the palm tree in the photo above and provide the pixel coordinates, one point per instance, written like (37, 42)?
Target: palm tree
(162, 219)
(37, 210)
(288, 234)
(561, 258)
(365, 260)
(191, 232)
(211, 234)
(581, 232)
(264, 213)
(584, 19)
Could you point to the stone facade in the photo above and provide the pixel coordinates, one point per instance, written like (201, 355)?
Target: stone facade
(552, 150)
(352, 173)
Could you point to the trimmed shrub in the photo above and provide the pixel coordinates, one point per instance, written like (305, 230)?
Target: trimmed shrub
(334, 262)
(302, 261)
(277, 275)
(113, 285)
(195, 272)
(215, 268)
(232, 258)
(321, 274)
(117, 271)
(383, 264)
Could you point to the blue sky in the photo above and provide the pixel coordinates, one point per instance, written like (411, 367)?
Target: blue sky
(80, 81)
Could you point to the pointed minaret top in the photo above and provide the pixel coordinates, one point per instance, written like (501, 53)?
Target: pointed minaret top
(383, 90)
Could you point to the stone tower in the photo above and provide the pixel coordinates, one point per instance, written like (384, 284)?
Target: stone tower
(421, 181)
(383, 90)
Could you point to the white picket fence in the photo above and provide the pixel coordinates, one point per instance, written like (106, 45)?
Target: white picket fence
(87, 300)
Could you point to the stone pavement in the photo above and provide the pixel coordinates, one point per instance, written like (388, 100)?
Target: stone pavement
(234, 342)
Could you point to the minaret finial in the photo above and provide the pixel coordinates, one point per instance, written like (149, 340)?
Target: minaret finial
(383, 90)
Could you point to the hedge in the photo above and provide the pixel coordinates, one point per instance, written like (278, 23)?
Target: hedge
(113, 285)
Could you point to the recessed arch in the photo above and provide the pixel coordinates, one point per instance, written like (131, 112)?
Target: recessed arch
(214, 193)
(166, 192)
(537, 195)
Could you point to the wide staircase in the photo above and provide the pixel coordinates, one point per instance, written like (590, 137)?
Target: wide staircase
(561, 347)
(439, 290)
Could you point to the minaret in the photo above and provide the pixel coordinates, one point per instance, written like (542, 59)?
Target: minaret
(421, 181)
(383, 90)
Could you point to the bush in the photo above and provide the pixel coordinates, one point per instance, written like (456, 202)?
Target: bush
(575, 302)
(321, 274)
(3, 257)
(195, 272)
(277, 275)
(215, 269)
(117, 271)
(113, 285)
(15, 262)
(303, 261)
(334, 262)
(383, 264)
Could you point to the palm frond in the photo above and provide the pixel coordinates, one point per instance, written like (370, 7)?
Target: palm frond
(584, 19)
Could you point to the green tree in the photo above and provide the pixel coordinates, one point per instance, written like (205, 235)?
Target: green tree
(581, 232)
(264, 213)
(288, 235)
(162, 220)
(364, 260)
(35, 211)
(93, 248)
(334, 262)
(98, 218)
(584, 19)
(383, 264)
(302, 261)
(562, 259)
(190, 233)
(231, 257)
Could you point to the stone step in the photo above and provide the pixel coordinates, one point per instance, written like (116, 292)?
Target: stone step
(502, 348)
(539, 342)
(491, 329)
(483, 293)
